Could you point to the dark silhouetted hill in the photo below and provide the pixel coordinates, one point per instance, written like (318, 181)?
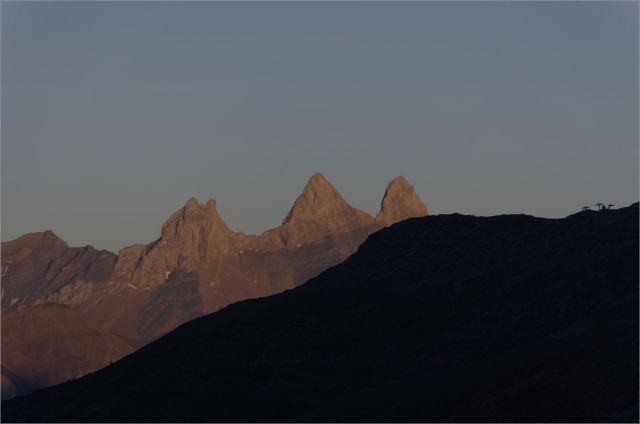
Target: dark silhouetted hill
(444, 318)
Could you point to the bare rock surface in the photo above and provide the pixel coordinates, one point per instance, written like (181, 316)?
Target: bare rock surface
(197, 265)
(400, 202)
(37, 265)
(319, 211)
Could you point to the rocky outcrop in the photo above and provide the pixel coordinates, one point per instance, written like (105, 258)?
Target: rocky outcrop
(197, 265)
(193, 235)
(128, 259)
(38, 265)
(400, 202)
(318, 212)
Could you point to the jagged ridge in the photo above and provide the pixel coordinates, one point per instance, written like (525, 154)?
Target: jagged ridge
(196, 266)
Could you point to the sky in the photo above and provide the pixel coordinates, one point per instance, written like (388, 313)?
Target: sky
(114, 114)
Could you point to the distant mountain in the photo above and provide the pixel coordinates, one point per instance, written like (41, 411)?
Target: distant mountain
(197, 266)
(52, 342)
(456, 318)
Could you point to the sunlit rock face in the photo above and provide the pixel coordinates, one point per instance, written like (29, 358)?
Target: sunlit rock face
(197, 265)
(400, 202)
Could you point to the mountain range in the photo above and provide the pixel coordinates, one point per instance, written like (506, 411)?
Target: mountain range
(446, 318)
(68, 311)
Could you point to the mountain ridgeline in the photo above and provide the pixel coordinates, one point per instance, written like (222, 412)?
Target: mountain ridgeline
(446, 318)
(69, 311)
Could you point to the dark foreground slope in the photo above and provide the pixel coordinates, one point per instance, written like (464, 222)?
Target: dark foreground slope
(444, 318)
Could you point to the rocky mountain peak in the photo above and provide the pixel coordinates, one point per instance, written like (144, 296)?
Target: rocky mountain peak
(46, 240)
(400, 202)
(193, 205)
(318, 183)
(211, 205)
(194, 213)
(193, 235)
(317, 212)
(50, 234)
(319, 199)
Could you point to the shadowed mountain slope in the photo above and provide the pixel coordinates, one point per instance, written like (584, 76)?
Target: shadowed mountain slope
(444, 318)
(197, 265)
(30, 360)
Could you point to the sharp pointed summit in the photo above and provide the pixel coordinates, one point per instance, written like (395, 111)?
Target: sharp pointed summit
(319, 199)
(318, 182)
(400, 202)
(319, 210)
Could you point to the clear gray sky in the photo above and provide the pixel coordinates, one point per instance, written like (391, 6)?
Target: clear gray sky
(114, 114)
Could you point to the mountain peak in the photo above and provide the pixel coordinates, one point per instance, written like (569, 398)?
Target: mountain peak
(192, 203)
(318, 184)
(317, 177)
(318, 197)
(400, 202)
(49, 234)
(194, 212)
(31, 240)
(399, 183)
(319, 210)
(201, 210)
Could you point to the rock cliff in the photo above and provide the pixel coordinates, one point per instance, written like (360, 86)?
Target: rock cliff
(400, 202)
